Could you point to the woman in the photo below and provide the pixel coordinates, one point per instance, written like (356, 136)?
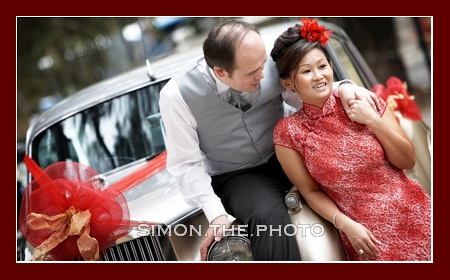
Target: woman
(360, 185)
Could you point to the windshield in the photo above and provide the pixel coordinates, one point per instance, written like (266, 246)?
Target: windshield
(109, 135)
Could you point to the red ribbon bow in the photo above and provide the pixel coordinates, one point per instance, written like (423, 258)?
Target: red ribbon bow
(398, 98)
(66, 212)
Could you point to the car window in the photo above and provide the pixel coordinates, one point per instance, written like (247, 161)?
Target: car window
(345, 62)
(108, 135)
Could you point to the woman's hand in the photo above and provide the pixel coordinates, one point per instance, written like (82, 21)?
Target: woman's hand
(362, 239)
(360, 110)
(348, 92)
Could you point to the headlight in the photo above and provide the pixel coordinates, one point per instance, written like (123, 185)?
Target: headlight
(292, 201)
(234, 246)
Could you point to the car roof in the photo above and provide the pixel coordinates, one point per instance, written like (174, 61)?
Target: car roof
(163, 68)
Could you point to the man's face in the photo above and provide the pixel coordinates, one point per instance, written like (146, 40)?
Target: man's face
(250, 59)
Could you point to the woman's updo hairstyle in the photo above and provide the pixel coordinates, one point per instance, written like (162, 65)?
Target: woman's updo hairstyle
(293, 44)
(286, 39)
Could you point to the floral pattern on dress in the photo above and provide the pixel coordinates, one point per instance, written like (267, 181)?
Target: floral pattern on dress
(348, 162)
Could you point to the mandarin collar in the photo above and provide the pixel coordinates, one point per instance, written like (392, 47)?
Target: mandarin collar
(313, 112)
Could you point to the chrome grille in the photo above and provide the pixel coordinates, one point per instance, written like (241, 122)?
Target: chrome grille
(145, 248)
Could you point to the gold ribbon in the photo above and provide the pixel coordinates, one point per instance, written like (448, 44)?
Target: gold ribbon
(392, 104)
(72, 222)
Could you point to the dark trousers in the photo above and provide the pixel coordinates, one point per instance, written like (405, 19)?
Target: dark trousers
(255, 197)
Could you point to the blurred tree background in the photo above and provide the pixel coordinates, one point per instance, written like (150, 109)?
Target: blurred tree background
(57, 56)
(394, 46)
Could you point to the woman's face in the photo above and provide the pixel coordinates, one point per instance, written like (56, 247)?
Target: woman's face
(313, 79)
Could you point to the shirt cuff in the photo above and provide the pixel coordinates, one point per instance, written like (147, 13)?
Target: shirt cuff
(336, 85)
(213, 209)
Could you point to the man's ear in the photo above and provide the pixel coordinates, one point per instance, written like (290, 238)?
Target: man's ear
(219, 72)
(286, 84)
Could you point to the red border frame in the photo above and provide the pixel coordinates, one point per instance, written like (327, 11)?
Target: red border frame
(337, 8)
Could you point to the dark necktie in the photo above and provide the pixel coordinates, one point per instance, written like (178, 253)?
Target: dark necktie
(237, 101)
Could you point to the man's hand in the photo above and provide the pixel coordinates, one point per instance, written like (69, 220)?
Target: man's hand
(347, 93)
(214, 232)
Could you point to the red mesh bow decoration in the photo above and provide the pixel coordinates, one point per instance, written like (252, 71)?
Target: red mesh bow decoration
(398, 98)
(66, 213)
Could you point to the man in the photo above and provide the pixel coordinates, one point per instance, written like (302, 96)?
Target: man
(220, 147)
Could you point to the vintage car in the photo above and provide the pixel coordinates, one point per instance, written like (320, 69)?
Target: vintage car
(115, 127)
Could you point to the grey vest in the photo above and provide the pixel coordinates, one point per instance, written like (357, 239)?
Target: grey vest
(230, 138)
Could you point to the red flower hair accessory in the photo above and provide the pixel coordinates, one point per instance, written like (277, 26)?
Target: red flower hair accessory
(311, 31)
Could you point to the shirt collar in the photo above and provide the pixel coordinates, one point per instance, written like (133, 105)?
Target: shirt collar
(221, 86)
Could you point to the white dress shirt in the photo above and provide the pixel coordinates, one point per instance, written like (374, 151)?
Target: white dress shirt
(185, 159)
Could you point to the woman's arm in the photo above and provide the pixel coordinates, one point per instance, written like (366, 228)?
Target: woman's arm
(398, 147)
(292, 164)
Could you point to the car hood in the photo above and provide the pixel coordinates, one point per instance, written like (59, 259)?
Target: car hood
(155, 200)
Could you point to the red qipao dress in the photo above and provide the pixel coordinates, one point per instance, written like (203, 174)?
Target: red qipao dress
(349, 163)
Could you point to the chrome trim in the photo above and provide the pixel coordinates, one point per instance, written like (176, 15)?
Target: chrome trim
(145, 248)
